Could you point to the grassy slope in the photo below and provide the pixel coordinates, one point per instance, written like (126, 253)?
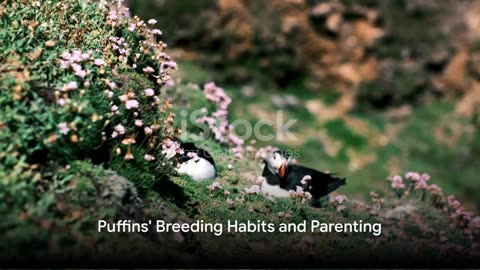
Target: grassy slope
(411, 142)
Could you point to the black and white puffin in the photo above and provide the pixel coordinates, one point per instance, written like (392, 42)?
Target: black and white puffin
(281, 176)
(196, 162)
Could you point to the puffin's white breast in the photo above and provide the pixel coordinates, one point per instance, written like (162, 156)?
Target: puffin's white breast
(274, 190)
(199, 171)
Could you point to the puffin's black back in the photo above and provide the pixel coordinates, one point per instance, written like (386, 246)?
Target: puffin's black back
(319, 186)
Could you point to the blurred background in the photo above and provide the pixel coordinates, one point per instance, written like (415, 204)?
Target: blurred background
(379, 87)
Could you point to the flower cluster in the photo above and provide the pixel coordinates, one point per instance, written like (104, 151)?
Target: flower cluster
(339, 201)
(255, 189)
(300, 194)
(215, 186)
(397, 182)
(414, 181)
(170, 148)
(218, 121)
(459, 217)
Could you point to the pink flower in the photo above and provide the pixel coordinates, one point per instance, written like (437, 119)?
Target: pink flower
(81, 73)
(340, 199)
(148, 131)
(66, 55)
(214, 186)
(148, 70)
(230, 202)
(305, 179)
(138, 123)
(99, 62)
(120, 129)
(131, 104)
(132, 27)
(255, 189)
(152, 21)
(149, 92)
(64, 64)
(260, 180)
(170, 148)
(397, 182)
(109, 94)
(226, 192)
(148, 157)
(421, 185)
(63, 128)
(341, 208)
(413, 176)
(70, 86)
(230, 167)
(156, 32)
(425, 177)
(281, 214)
(193, 156)
(123, 98)
(111, 84)
(114, 134)
(113, 15)
(61, 102)
(114, 108)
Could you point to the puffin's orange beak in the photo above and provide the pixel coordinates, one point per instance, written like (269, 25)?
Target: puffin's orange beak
(282, 169)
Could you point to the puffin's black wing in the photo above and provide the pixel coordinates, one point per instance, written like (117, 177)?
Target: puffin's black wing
(321, 183)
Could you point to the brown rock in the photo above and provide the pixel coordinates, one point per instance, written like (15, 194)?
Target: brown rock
(454, 73)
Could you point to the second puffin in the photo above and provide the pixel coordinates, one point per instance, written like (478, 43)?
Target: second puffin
(281, 176)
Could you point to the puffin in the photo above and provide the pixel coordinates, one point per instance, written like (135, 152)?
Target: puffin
(196, 162)
(281, 176)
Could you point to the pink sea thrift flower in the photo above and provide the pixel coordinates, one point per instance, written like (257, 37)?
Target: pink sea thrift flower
(70, 86)
(99, 62)
(148, 157)
(413, 176)
(138, 123)
(305, 179)
(61, 102)
(156, 32)
(120, 129)
(152, 21)
(148, 70)
(123, 98)
(131, 104)
(260, 180)
(397, 182)
(214, 186)
(63, 128)
(132, 27)
(255, 189)
(149, 92)
(148, 131)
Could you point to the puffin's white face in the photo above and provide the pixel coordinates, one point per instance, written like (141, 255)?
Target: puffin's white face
(277, 163)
